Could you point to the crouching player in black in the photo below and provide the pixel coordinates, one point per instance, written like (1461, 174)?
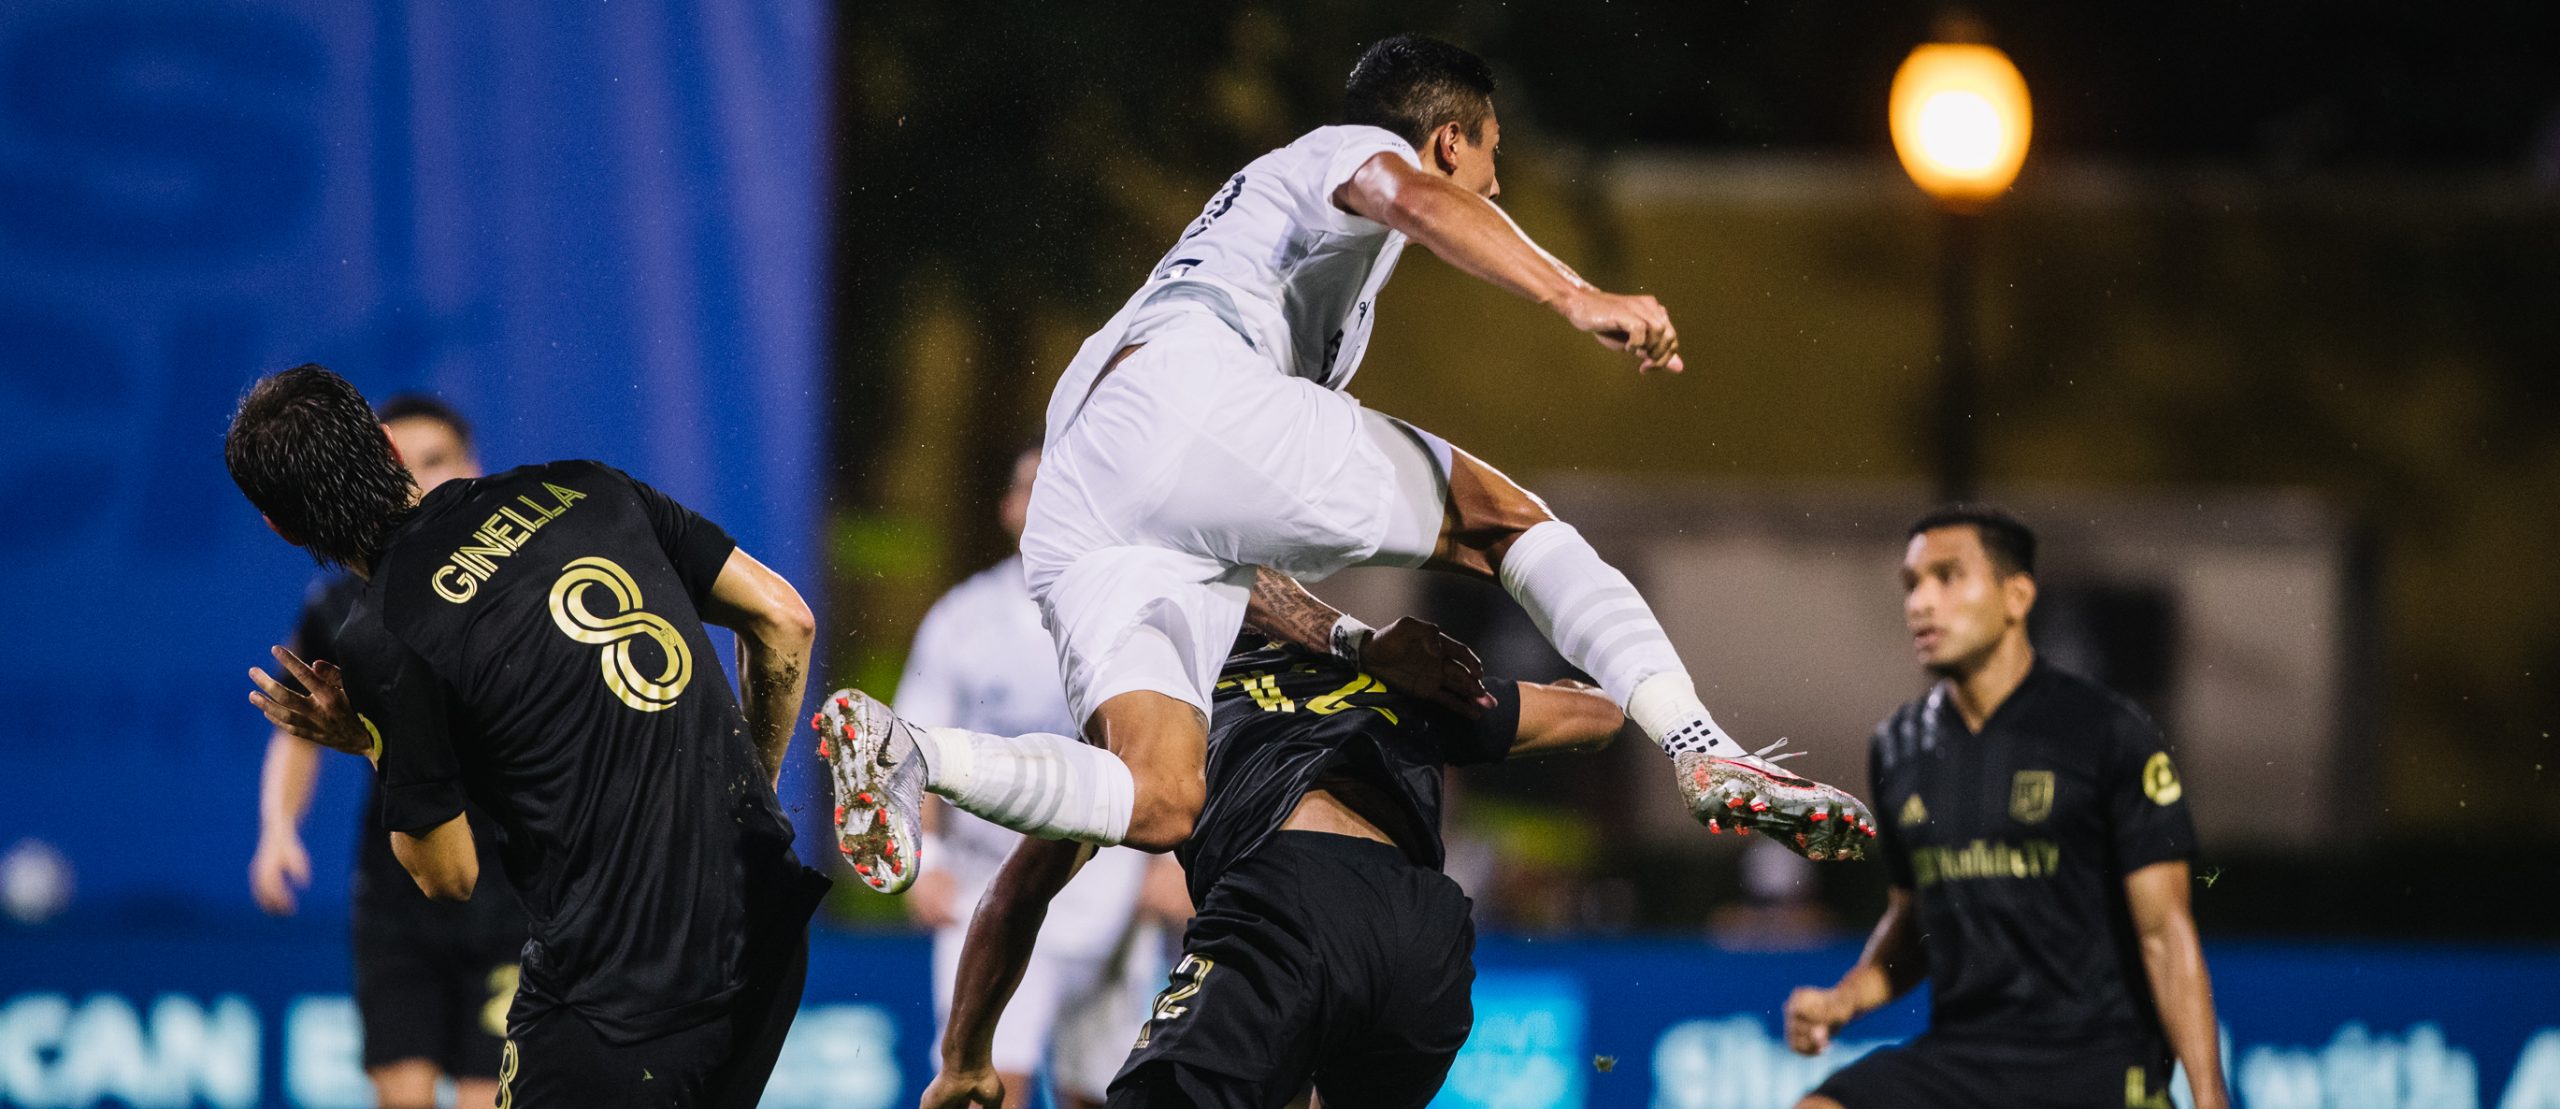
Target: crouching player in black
(2038, 841)
(534, 641)
(1328, 947)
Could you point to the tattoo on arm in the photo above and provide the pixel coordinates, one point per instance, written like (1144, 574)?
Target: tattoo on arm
(1284, 610)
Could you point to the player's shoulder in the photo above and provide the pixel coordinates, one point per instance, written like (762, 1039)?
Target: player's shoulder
(2080, 694)
(1905, 730)
(1321, 148)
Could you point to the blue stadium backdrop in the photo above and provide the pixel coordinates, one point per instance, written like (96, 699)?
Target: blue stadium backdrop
(597, 228)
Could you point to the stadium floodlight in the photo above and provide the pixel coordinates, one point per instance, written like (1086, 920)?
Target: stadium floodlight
(1960, 122)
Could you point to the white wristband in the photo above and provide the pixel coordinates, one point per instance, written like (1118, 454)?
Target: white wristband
(1351, 638)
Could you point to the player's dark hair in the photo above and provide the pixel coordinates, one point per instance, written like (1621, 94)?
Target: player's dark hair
(1412, 84)
(2009, 541)
(420, 406)
(309, 453)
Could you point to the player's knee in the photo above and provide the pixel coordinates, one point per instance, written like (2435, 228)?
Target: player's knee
(1166, 809)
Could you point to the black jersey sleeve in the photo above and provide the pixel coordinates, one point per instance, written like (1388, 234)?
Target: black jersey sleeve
(1487, 738)
(406, 707)
(1889, 846)
(697, 547)
(2146, 803)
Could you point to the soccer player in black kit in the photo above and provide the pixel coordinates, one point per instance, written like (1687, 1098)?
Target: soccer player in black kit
(432, 980)
(534, 642)
(1328, 947)
(2038, 840)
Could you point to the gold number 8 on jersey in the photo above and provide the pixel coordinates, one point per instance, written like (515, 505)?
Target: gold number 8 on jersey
(614, 633)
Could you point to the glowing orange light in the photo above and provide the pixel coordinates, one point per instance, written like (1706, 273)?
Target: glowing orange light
(1960, 122)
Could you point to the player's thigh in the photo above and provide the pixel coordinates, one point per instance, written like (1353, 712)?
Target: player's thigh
(480, 986)
(1241, 1006)
(1911, 1076)
(403, 995)
(1486, 511)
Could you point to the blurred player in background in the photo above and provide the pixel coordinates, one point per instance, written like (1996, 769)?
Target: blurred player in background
(432, 980)
(2038, 841)
(534, 642)
(1329, 947)
(982, 661)
(1201, 444)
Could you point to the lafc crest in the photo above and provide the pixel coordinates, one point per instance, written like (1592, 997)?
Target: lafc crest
(2031, 796)
(1913, 812)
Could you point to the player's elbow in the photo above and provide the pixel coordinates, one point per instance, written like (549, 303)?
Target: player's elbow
(789, 625)
(448, 883)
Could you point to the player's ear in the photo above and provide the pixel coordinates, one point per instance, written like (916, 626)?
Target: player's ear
(394, 444)
(2018, 595)
(1444, 148)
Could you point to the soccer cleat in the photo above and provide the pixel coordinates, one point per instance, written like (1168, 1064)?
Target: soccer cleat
(1814, 820)
(879, 783)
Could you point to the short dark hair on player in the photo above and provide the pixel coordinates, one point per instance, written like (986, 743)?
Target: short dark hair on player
(309, 453)
(2008, 540)
(421, 406)
(1412, 84)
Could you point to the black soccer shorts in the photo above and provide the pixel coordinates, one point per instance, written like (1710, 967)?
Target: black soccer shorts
(1938, 1073)
(434, 983)
(555, 1059)
(1322, 959)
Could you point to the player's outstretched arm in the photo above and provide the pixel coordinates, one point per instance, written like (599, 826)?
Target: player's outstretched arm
(1411, 656)
(1893, 963)
(444, 862)
(1565, 716)
(992, 959)
(1469, 232)
(2163, 919)
(775, 631)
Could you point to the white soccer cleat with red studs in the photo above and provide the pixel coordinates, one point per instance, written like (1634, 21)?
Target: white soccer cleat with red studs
(879, 781)
(1750, 793)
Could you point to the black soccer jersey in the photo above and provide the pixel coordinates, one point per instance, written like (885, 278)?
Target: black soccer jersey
(382, 887)
(533, 640)
(1286, 720)
(2015, 844)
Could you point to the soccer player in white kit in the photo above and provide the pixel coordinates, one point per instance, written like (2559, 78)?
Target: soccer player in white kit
(1201, 453)
(981, 661)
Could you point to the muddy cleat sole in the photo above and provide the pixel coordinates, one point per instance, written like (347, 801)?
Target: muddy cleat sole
(879, 780)
(1750, 794)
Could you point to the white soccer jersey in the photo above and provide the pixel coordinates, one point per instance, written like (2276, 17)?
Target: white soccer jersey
(982, 661)
(1301, 274)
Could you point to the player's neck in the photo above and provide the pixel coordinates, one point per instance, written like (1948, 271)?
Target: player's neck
(1979, 691)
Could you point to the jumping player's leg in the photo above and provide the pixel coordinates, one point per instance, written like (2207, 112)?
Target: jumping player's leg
(1491, 528)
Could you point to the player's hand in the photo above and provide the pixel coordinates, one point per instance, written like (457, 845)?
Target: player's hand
(319, 713)
(1637, 325)
(279, 868)
(932, 901)
(1813, 1014)
(1416, 659)
(955, 1088)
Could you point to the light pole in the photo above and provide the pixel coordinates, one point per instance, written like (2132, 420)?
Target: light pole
(1960, 125)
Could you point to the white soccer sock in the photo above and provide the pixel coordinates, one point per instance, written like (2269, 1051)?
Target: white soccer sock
(1041, 784)
(1592, 614)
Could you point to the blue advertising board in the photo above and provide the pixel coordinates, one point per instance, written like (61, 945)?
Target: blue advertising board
(258, 1016)
(595, 228)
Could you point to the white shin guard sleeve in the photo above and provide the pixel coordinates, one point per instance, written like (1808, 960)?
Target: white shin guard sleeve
(1040, 784)
(1596, 620)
